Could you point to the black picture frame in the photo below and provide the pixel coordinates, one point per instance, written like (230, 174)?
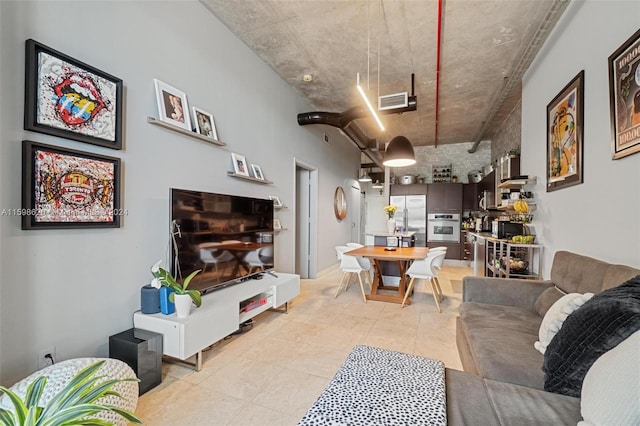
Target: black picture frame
(565, 136)
(65, 188)
(624, 98)
(70, 99)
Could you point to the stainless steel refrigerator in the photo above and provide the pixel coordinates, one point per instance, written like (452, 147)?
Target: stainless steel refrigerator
(412, 215)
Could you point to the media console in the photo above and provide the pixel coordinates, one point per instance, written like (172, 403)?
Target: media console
(220, 315)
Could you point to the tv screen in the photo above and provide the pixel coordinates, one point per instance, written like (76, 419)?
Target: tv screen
(227, 237)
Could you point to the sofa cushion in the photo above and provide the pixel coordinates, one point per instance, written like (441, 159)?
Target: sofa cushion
(547, 299)
(596, 327)
(501, 342)
(556, 315)
(611, 388)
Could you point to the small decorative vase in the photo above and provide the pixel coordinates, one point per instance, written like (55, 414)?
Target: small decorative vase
(183, 305)
(391, 226)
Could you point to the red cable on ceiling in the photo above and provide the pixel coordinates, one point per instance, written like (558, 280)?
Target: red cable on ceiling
(438, 69)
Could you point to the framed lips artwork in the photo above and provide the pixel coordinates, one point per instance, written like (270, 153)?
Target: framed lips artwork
(70, 99)
(64, 188)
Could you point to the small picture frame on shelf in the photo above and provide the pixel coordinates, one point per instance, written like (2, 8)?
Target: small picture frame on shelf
(172, 105)
(204, 123)
(277, 224)
(276, 200)
(257, 172)
(239, 164)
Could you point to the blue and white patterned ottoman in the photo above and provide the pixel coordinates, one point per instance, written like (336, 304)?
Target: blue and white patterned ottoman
(380, 387)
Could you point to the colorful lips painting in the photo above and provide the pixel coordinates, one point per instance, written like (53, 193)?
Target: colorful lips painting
(79, 100)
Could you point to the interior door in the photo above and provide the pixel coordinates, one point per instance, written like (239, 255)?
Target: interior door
(306, 219)
(353, 202)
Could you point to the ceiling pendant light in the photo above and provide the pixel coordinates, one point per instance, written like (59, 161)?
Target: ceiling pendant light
(364, 176)
(366, 101)
(399, 153)
(377, 185)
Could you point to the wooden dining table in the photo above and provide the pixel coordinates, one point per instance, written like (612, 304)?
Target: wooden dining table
(403, 256)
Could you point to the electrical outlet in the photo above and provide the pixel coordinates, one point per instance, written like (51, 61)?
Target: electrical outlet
(44, 360)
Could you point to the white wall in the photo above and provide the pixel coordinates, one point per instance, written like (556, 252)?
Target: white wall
(73, 288)
(598, 218)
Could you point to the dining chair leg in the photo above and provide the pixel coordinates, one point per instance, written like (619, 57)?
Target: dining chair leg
(340, 285)
(409, 288)
(435, 294)
(364, 296)
(440, 294)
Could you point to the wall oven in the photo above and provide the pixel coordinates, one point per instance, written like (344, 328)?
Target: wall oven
(443, 227)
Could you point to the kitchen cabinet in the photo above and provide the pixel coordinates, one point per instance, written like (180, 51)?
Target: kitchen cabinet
(453, 249)
(411, 189)
(488, 184)
(470, 196)
(508, 167)
(466, 246)
(444, 198)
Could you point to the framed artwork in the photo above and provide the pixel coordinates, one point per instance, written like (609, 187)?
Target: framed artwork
(204, 123)
(239, 164)
(70, 99)
(257, 171)
(172, 105)
(624, 97)
(277, 224)
(64, 188)
(276, 200)
(565, 117)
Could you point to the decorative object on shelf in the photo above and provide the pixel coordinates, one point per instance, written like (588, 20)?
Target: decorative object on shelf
(277, 224)
(161, 277)
(257, 172)
(391, 223)
(172, 105)
(183, 304)
(624, 97)
(340, 203)
(94, 392)
(167, 307)
(70, 99)
(276, 200)
(240, 164)
(204, 123)
(64, 188)
(440, 174)
(564, 135)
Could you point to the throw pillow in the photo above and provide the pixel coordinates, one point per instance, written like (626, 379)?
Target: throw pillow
(596, 327)
(611, 388)
(546, 299)
(556, 315)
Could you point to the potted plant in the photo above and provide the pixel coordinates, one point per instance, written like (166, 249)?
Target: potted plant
(73, 405)
(391, 223)
(180, 295)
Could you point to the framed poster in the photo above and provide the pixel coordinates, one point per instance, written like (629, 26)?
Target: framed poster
(257, 172)
(624, 97)
(70, 99)
(565, 116)
(239, 164)
(172, 105)
(64, 188)
(276, 200)
(204, 123)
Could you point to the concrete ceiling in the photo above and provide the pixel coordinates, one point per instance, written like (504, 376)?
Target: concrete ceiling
(486, 47)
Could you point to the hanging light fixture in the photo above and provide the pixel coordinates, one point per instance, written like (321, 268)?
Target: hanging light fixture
(377, 185)
(364, 176)
(399, 153)
(366, 101)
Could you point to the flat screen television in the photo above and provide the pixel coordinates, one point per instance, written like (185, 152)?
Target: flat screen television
(228, 237)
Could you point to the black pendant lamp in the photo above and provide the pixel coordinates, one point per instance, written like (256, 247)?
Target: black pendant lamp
(399, 153)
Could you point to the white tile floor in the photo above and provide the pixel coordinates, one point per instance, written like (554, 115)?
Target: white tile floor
(272, 374)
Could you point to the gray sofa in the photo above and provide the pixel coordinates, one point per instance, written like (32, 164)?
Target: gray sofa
(495, 332)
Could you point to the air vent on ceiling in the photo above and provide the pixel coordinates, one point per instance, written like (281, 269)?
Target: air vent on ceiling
(397, 100)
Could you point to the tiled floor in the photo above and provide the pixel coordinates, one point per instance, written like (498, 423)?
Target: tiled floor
(272, 374)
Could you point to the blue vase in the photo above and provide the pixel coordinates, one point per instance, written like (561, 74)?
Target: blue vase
(167, 307)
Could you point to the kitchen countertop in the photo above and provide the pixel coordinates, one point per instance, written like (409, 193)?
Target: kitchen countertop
(392, 234)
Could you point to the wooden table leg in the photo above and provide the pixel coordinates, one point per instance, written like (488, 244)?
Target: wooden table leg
(397, 298)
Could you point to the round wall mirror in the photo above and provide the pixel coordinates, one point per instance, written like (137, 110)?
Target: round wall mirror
(340, 203)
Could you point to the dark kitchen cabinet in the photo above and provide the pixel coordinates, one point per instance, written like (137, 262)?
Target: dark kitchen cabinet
(411, 189)
(444, 198)
(453, 249)
(470, 196)
(466, 246)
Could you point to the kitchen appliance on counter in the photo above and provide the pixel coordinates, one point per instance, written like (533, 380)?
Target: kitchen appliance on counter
(412, 215)
(443, 227)
(486, 223)
(503, 229)
(487, 200)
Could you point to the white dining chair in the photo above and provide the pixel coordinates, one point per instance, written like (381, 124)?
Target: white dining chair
(365, 262)
(349, 266)
(425, 269)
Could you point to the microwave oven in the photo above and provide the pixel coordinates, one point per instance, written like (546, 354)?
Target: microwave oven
(503, 229)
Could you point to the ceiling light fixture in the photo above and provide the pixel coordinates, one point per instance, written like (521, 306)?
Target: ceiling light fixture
(377, 185)
(366, 101)
(399, 153)
(364, 177)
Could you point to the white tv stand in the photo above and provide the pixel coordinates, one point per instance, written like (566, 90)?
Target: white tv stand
(219, 315)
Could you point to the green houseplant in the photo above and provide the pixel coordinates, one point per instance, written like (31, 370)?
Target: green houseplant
(162, 277)
(71, 406)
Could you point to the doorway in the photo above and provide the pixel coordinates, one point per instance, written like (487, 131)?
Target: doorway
(306, 229)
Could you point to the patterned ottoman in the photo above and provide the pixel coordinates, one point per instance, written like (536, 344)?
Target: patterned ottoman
(382, 387)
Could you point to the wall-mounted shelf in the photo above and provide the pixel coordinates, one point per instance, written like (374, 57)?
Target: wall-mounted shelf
(186, 132)
(252, 179)
(516, 183)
